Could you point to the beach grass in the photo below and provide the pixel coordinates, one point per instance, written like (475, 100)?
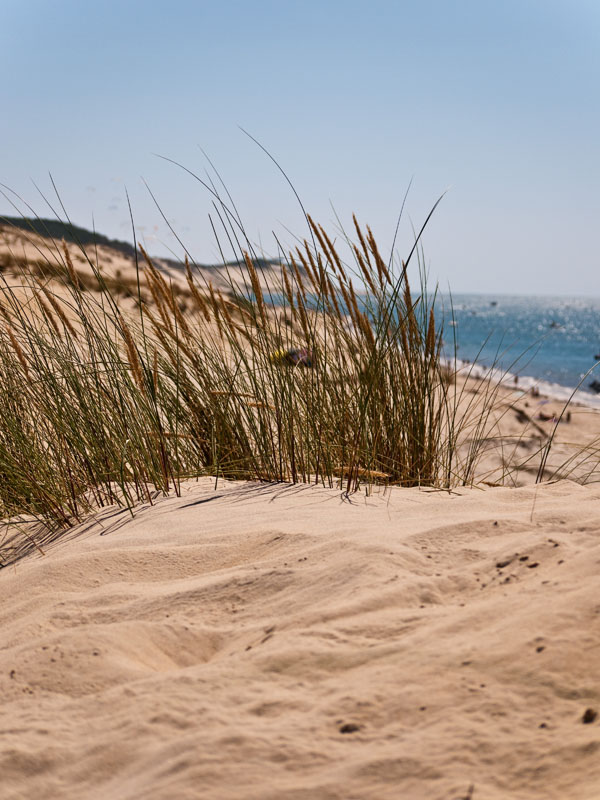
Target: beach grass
(333, 374)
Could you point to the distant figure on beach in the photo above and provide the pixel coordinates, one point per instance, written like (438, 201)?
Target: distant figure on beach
(595, 386)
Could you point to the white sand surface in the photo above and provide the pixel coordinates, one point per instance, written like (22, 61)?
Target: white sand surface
(276, 642)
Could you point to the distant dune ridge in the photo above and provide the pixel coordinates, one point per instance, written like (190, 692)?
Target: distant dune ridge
(274, 641)
(35, 238)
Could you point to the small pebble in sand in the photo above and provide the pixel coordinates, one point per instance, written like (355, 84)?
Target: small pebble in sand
(589, 716)
(349, 727)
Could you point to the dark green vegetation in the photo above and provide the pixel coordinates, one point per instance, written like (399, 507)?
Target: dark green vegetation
(56, 229)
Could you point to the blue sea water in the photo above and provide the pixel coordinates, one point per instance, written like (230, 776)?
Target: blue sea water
(552, 340)
(547, 342)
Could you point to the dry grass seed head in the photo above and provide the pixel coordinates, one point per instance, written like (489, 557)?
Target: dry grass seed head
(288, 291)
(307, 267)
(326, 246)
(200, 301)
(361, 239)
(382, 269)
(333, 297)
(70, 268)
(216, 311)
(430, 338)
(47, 312)
(160, 304)
(59, 310)
(132, 354)
(18, 350)
(365, 269)
(298, 277)
(256, 288)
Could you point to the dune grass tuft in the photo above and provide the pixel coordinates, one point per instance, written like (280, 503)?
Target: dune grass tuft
(101, 406)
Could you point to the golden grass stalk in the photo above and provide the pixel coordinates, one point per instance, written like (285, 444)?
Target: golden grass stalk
(58, 309)
(382, 269)
(363, 244)
(299, 282)
(308, 267)
(199, 299)
(48, 314)
(132, 354)
(327, 247)
(216, 311)
(70, 268)
(365, 270)
(287, 288)
(18, 350)
(256, 288)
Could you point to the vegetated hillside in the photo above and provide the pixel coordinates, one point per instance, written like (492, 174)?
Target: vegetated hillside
(56, 229)
(29, 241)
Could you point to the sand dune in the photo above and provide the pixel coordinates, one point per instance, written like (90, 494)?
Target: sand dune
(20, 247)
(285, 642)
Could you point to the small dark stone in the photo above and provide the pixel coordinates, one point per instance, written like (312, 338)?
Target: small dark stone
(533, 565)
(589, 715)
(540, 648)
(505, 563)
(495, 524)
(543, 725)
(423, 708)
(349, 727)
(12, 673)
(523, 558)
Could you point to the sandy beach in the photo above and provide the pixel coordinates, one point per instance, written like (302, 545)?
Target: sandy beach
(272, 641)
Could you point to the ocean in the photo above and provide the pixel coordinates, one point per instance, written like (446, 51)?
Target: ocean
(547, 341)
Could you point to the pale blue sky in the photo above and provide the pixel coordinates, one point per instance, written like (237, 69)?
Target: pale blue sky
(499, 101)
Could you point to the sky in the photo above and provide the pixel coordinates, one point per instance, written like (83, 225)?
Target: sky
(496, 104)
